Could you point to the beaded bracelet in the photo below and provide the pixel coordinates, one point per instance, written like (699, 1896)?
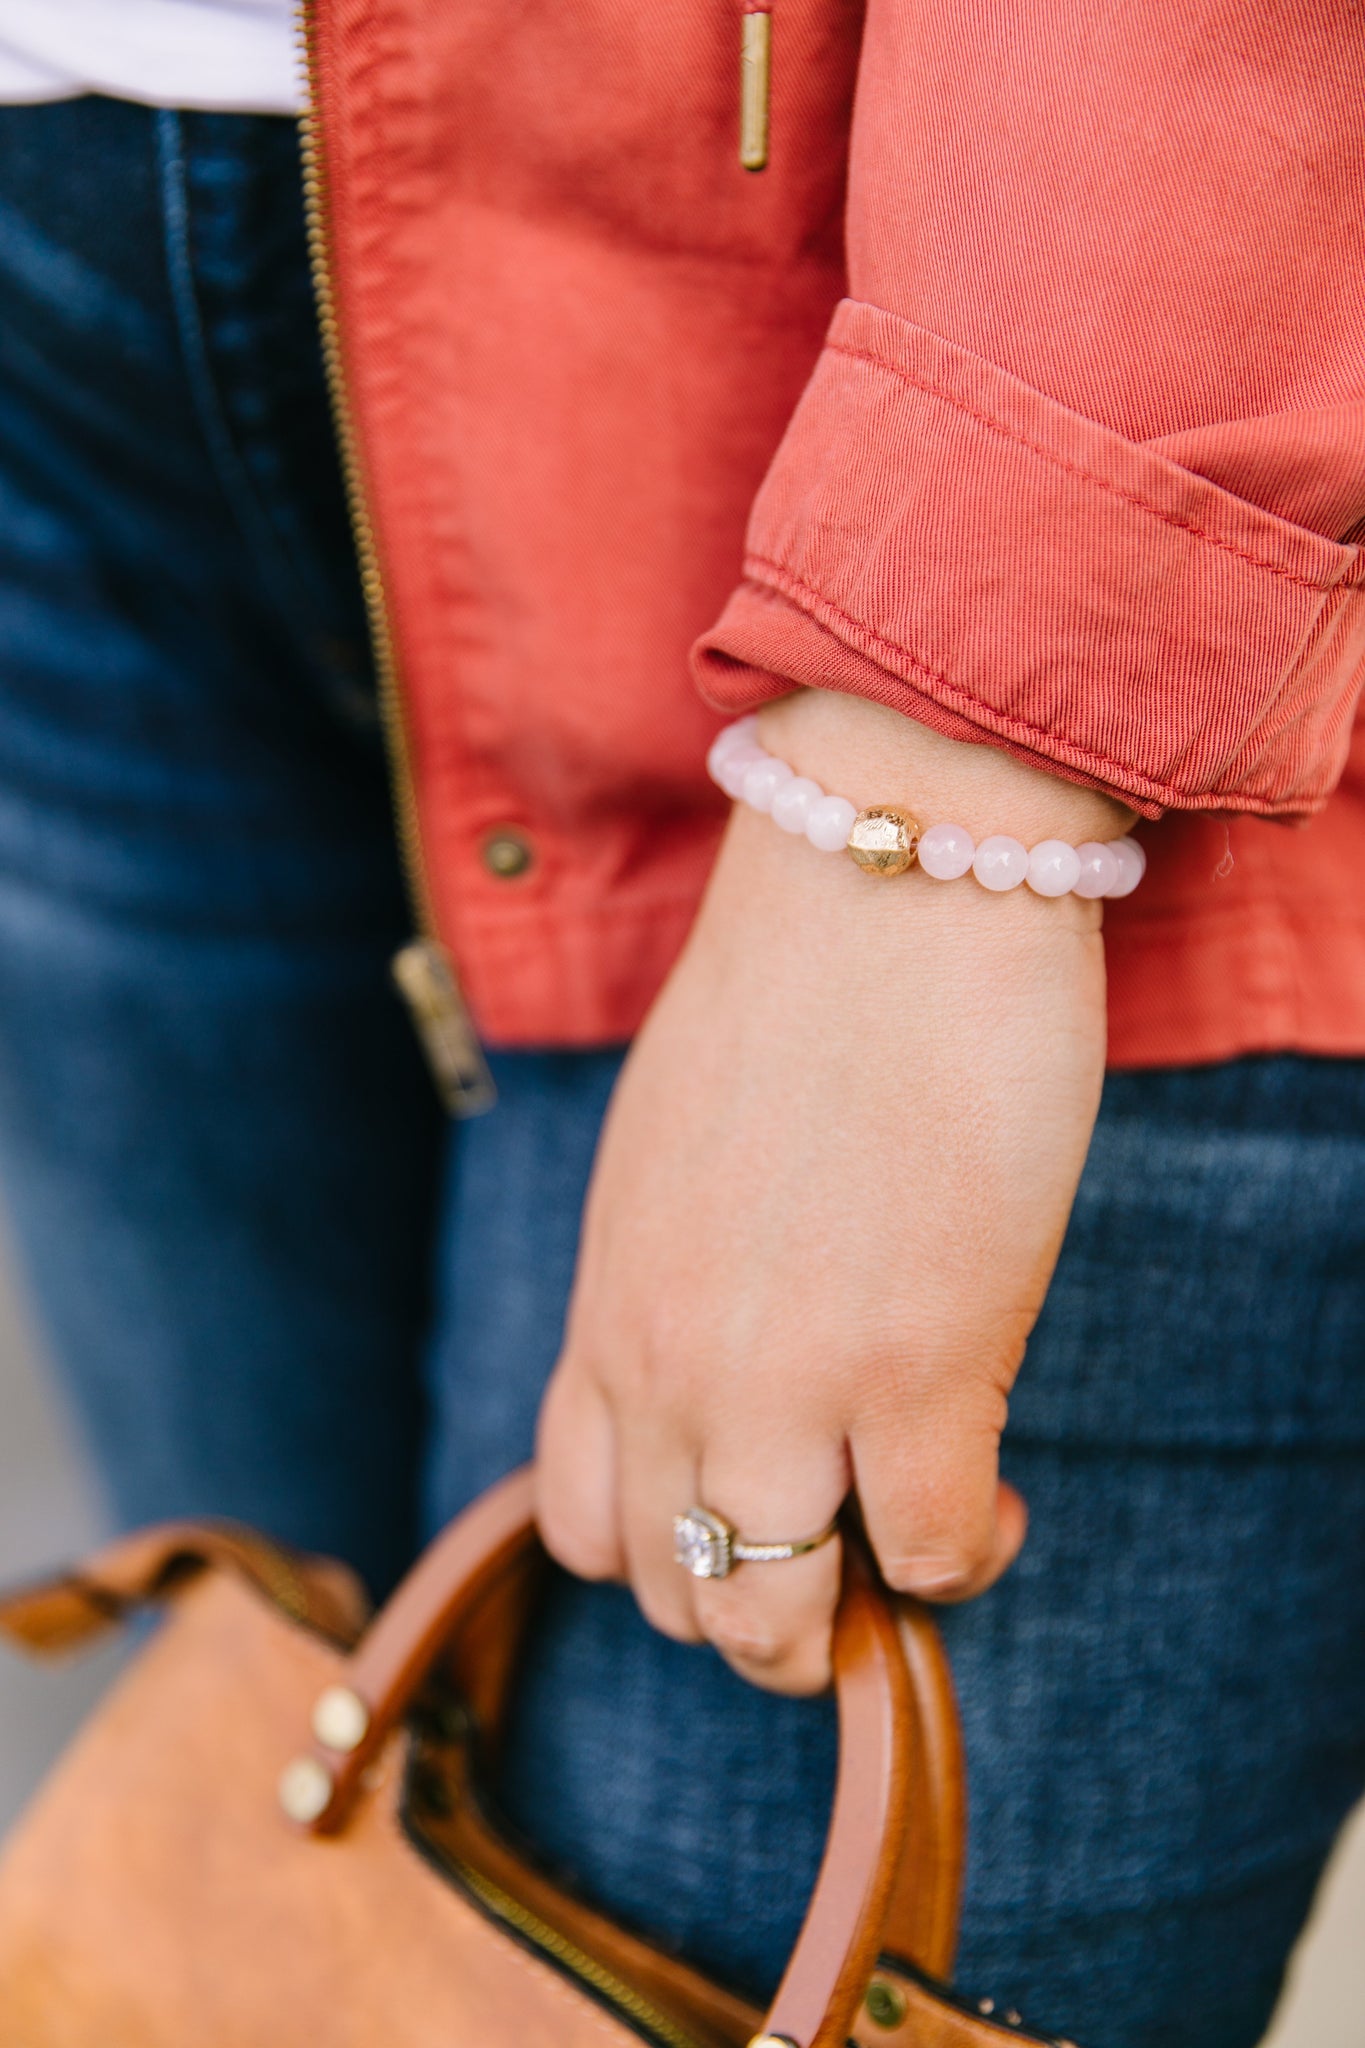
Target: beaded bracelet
(886, 841)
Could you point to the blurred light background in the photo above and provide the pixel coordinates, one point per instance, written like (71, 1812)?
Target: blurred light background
(48, 1514)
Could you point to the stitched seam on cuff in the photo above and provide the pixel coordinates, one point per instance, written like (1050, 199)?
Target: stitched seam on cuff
(1076, 469)
(1044, 740)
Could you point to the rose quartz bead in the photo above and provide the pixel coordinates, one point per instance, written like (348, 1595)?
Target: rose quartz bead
(1099, 869)
(793, 801)
(736, 765)
(946, 852)
(829, 822)
(763, 781)
(1054, 868)
(1000, 863)
(730, 741)
(743, 733)
(716, 756)
(1137, 848)
(1131, 861)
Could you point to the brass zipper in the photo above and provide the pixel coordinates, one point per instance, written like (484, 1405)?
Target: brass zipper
(568, 1954)
(423, 970)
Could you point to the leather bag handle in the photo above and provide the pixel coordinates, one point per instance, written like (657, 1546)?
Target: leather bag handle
(64, 1613)
(891, 1873)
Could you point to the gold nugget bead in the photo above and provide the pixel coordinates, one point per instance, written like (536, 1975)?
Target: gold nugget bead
(883, 840)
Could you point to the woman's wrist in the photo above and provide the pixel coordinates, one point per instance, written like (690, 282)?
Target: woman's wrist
(872, 754)
(886, 838)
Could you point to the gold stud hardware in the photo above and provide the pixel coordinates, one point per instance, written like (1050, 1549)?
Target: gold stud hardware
(508, 853)
(885, 2003)
(305, 1790)
(772, 2041)
(755, 89)
(985, 2005)
(341, 1719)
(883, 840)
(1013, 2018)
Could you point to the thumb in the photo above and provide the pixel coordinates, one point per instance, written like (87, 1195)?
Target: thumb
(942, 1523)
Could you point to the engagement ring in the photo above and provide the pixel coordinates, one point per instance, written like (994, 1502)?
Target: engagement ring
(709, 1547)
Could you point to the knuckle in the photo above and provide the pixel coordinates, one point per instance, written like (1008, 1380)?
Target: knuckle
(792, 1662)
(808, 1675)
(585, 1552)
(742, 1640)
(669, 1620)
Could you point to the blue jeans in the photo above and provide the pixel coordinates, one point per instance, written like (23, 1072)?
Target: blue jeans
(282, 1289)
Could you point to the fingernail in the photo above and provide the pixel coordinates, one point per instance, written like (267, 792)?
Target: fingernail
(929, 1574)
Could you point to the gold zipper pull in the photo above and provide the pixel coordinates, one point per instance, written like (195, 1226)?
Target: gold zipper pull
(755, 87)
(426, 979)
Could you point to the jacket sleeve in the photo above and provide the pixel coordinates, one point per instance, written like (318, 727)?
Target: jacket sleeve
(1081, 467)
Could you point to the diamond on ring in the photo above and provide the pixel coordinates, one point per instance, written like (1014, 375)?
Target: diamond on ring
(703, 1544)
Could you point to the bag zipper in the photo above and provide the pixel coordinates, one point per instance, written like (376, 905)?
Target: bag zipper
(500, 1905)
(428, 1797)
(423, 969)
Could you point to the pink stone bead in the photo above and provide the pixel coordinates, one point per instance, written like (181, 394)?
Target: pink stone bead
(1054, 868)
(1131, 862)
(735, 766)
(743, 733)
(946, 852)
(829, 822)
(1137, 848)
(1099, 870)
(734, 737)
(1000, 863)
(793, 801)
(763, 781)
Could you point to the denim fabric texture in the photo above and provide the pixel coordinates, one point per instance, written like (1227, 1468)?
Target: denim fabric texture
(280, 1288)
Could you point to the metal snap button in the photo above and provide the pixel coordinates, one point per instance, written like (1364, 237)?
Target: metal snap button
(885, 2003)
(508, 853)
(341, 1719)
(305, 1790)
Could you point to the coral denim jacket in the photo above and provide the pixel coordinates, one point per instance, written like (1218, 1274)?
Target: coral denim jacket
(1023, 389)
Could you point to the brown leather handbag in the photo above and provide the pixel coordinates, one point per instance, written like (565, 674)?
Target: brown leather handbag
(157, 1896)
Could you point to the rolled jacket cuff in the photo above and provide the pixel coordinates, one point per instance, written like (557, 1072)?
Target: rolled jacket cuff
(936, 534)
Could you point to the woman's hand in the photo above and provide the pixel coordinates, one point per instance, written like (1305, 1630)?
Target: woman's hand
(828, 1200)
